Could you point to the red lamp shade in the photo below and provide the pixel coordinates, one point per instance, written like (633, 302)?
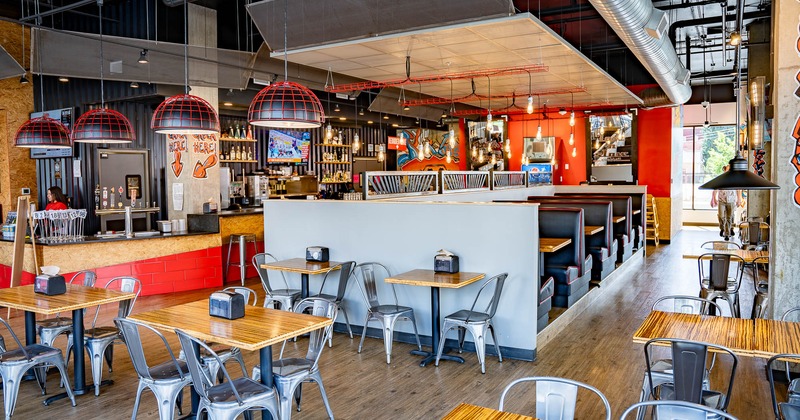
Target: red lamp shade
(286, 105)
(185, 114)
(103, 126)
(42, 132)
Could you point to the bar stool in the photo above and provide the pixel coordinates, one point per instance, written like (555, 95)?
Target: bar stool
(241, 239)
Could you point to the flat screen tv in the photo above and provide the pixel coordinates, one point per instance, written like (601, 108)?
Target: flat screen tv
(288, 147)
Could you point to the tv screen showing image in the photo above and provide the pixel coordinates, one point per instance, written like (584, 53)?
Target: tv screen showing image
(288, 147)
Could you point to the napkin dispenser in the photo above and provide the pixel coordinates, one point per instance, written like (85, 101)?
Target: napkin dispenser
(210, 207)
(50, 285)
(445, 262)
(228, 305)
(317, 254)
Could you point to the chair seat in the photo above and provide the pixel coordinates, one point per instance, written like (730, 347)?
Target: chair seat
(730, 288)
(34, 351)
(711, 399)
(794, 387)
(168, 370)
(463, 315)
(246, 388)
(291, 366)
(326, 296)
(389, 309)
(790, 411)
(99, 333)
(285, 292)
(762, 288)
(58, 322)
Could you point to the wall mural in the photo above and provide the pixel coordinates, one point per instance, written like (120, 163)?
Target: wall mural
(795, 161)
(176, 145)
(204, 147)
(758, 161)
(435, 148)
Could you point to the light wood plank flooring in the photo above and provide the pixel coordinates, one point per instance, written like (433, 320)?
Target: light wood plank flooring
(596, 349)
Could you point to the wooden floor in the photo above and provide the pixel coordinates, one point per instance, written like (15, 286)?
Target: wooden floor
(597, 349)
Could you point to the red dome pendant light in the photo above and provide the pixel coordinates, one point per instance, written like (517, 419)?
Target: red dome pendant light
(286, 104)
(184, 113)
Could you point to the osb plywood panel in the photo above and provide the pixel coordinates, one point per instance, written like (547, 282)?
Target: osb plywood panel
(17, 169)
(664, 210)
(87, 256)
(249, 223)
(7, 253)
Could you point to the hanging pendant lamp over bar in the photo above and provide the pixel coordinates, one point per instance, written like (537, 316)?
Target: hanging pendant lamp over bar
(286, 105)
(738, 177)
(103, 126)
(185, 114)
(43, 132)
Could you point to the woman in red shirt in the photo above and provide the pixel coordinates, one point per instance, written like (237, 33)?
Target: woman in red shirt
(56, 200)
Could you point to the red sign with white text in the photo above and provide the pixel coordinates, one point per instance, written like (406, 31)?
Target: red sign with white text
(397, 143)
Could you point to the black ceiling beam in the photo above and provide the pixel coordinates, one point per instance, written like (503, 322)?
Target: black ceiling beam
(673, 29)
(685, 4)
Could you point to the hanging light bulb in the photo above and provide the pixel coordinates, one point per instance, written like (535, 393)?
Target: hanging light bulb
(508, 144)
(508, 153)
(530, 105)
(474, 152)
(381, 154)
(448, 158)
(539, 131)
(421, 152)
(574, 152)
(329, 131)
(494, 160)
(427, 149)
(489, 121)
(572, 119)
(480, 156)
(571, 138)
(452, 139)
(524, 160)
(356, 142)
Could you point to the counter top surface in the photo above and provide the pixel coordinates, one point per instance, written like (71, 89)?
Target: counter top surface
(95, 239)
(242, 212)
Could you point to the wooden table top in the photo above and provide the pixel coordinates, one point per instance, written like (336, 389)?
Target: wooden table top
(300, 265)
(776, 337)
(734, 333)
(747, 255)
(260, 327)
(466, 411)
(591, 230)
(553, 244)
(618, 219)
(433, 279)
(77, 297)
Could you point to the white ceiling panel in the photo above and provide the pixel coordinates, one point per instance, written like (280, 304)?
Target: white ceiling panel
(498, 43)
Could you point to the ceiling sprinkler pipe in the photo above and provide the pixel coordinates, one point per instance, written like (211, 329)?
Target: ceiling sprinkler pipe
(643, 29)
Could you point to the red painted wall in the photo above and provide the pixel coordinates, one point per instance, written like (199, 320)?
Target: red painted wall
(655, 150)
(520, 126)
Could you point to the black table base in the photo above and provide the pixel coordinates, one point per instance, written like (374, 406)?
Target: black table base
(430, 356)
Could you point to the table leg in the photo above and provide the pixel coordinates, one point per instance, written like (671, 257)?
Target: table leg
(30, 338)
(78, 360)
(265, 355)
(194, 395)
(303, 285)
(435, 333)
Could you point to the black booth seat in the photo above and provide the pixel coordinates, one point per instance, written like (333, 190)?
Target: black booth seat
(569, 266)
(623, 231)
(638, 220)
(546, 293)
(602, 246)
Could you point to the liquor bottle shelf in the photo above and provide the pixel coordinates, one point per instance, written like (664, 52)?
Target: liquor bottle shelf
(238, 161)
(335, 162)
(235, 140)
(333, 145)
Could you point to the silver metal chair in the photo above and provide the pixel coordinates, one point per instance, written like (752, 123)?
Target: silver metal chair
(794, 384)
(230, 398)
(166, 380)
(556, 397)
(226, 353)
(286, 297)
(343, 273)
(689, 361)
(720, 245)
(790, 409)
(99, 341)
(289, 373)
(753, 233)
(677, 410)
(717, 283)
(761, 285)
(661, 369)
(477, 323)
(386, 314)
(14, 364)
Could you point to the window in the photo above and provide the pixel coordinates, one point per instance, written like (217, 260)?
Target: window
(706, 150)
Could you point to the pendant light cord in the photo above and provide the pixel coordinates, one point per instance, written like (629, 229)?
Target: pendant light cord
(185, 46)
(285, 42)
(102, 91)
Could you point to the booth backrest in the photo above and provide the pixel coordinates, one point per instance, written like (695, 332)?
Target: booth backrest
(566, 222)
(638, 202)
(621, 206)
(595, 213)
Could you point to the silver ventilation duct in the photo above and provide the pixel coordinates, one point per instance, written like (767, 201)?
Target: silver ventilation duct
(643, 29)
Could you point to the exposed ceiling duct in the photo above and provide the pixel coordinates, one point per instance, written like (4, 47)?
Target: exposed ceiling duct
(643, 29)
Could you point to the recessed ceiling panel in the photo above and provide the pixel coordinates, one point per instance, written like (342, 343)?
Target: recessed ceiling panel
(498, 43)
(317, 22)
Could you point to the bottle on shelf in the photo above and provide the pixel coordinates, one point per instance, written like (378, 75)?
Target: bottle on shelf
(230, 132)
(97, 197)
(249, 133)
(249, 153)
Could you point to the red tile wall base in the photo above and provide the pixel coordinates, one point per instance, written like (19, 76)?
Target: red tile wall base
(234, 273)
(172, 273)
